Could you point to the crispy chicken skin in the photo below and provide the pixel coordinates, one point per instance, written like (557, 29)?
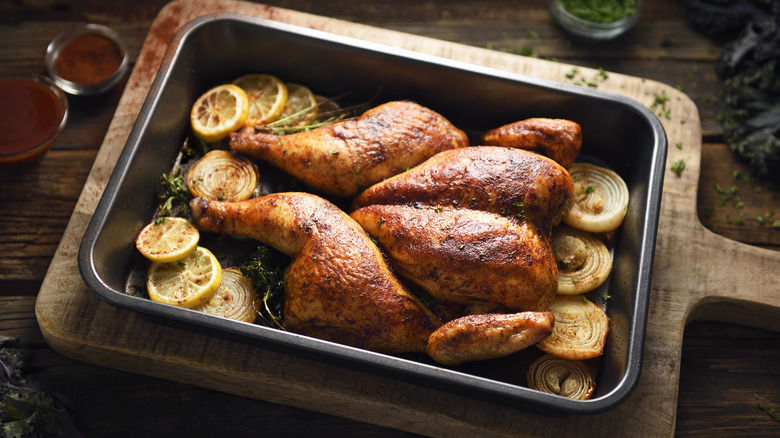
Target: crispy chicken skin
(488, 336)
(558, 139)
(508, 182)
(338, 286)
(466, 256)
(343, 158)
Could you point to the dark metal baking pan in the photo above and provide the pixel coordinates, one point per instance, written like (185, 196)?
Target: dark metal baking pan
(617, 131)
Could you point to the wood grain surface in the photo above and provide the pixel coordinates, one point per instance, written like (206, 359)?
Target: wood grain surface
(688, 284)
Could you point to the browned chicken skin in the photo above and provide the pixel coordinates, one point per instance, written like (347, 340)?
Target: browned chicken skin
(508, 182)
(338, 286)
(473, 225)
(466, 256)
(558, 139)
(345, 157)
(488, 336)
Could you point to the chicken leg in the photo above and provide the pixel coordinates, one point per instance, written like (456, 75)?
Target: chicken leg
(338, 286)
(343, 158)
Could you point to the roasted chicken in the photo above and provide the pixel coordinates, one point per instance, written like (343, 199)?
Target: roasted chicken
(344, 158)
(338, 286)
(558, 139)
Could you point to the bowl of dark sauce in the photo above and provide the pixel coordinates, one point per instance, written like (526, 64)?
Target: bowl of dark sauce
(33, 113)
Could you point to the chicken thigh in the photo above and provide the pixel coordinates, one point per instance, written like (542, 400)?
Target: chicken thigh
(343, 158)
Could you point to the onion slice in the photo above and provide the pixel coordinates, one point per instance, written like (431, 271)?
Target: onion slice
(584, 262)
(235, 298)
(222, 176)
(580, 329)
(600, 199)
(567, 378)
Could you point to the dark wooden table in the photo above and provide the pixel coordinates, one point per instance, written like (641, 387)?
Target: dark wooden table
(726, 369)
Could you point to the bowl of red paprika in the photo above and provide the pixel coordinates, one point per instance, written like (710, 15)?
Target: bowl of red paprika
(87, 60)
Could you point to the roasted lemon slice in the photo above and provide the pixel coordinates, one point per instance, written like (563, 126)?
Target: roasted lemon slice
(301, 107)
(218, 112)
(167, 239)
(267, 97)
(188, 282)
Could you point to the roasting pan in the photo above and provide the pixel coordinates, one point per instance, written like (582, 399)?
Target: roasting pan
(617, 132)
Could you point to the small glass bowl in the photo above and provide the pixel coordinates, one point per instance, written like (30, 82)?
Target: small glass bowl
(35, 111)
(590, 30)
(55, 48)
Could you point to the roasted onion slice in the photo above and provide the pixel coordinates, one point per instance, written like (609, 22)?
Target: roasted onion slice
(234, 299)
(567, 378)
(580, 329)
(584, 262)
(600, 199)
(222, 176)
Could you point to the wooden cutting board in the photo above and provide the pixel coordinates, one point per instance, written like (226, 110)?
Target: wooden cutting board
(697, 275)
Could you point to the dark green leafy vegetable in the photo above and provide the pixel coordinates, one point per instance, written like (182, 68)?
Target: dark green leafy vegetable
(749, 64)
(27, 410)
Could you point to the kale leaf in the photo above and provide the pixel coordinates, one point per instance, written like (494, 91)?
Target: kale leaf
(27, 410)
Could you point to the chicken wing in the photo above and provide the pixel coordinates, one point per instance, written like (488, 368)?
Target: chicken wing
(558, 139)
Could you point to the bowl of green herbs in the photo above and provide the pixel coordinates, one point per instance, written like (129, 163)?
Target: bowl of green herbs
(596, 19)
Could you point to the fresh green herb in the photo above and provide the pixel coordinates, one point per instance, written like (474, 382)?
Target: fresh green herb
(380, 222)
(678, 167)
(600, 11)
(659, 105)
(439, 209)
(174, 194)
(520, 213)
(589, 189)
(159, 220)
(181, 265)
(770, 412)
(334, 152)
(678, 145)
(584, 299)
(264, 268)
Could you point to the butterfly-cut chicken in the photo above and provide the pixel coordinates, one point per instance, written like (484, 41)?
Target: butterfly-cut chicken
(338, 286)
(344, 158)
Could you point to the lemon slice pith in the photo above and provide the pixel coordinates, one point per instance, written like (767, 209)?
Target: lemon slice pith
(218, 112)
(188, 282)
(167, 239)
(267, 97)
(299, 99)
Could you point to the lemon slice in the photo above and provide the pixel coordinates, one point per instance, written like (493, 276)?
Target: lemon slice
(167, 239)
(267, 97)
(301, 107)
(189, 282)
(219, 111)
